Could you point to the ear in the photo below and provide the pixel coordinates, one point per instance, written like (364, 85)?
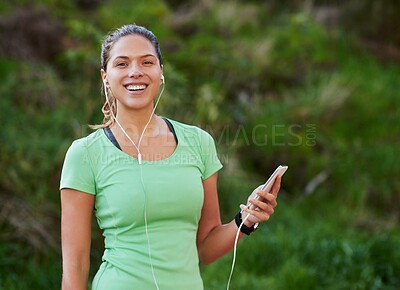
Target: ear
(162, 74)
(104, 77)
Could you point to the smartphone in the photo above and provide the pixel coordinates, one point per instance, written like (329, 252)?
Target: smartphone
(279, 171)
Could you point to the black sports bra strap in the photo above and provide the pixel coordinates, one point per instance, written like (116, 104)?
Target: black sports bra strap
(171, 128)
(111, 136)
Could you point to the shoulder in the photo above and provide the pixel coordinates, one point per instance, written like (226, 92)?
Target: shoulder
(80, 146)
(194, 137)
(90, 139)
(78, 171)
(190, 130)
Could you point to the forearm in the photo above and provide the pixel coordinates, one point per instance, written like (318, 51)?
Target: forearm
(75, 278)
(218, 242)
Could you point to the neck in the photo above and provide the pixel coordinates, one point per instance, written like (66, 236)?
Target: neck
(135, 122)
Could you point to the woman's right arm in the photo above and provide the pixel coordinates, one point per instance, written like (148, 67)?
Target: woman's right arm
(76, 219)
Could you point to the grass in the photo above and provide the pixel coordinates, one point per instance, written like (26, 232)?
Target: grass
(299, 250)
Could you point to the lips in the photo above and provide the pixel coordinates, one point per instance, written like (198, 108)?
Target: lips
(136, 87)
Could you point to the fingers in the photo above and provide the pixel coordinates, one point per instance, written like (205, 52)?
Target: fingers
(269, 196)
(266, 200)
(276, 186)
(263, 207)
(260, 206)
(256, 215)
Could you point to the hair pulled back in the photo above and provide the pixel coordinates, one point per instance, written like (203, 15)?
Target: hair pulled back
(107, 45)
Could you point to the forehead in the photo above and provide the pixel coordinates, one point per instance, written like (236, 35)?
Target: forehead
(132, 45)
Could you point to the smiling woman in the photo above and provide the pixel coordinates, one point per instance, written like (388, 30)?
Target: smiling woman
(156, 201)
(133, 75)
(149, 55)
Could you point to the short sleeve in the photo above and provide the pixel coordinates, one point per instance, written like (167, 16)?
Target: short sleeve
(77, 172)
(209, 156)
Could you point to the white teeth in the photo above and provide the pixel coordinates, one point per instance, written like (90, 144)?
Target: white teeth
(135, 87)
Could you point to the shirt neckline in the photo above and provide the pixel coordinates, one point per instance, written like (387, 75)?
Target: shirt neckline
(111, 139)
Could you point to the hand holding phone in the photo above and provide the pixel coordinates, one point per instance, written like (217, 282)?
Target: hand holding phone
(279, 171)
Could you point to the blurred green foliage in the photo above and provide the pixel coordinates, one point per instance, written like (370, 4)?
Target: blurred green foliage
(312, 84)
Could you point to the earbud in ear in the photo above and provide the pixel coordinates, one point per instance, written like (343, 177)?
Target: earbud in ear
(162, 79)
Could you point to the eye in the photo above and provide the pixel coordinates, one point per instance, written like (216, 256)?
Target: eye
(148, 62)
(121, 64)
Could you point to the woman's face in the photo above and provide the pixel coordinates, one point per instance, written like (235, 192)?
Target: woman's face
(133, 73)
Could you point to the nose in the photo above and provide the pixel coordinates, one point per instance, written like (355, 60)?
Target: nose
(135, 71)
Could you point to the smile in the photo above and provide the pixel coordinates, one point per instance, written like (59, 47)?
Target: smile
(134, 88)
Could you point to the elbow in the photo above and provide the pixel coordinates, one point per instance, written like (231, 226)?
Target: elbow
(206, 261)
(206, 258)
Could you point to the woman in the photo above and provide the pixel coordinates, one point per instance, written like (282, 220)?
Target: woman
(151, 182)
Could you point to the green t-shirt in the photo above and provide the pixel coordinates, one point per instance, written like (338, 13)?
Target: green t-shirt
(174, 193)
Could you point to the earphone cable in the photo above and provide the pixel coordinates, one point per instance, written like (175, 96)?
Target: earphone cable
(147, 229)
(234, 251)
(141, 172)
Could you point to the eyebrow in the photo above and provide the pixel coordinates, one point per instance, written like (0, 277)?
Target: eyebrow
(142, 56)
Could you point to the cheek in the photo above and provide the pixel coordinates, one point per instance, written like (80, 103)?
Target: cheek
(155, 72)
(113, 77)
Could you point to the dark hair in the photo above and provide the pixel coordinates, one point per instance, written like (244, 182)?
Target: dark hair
(125, 30)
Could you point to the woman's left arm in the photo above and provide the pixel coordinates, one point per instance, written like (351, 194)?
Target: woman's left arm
(215, 239)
